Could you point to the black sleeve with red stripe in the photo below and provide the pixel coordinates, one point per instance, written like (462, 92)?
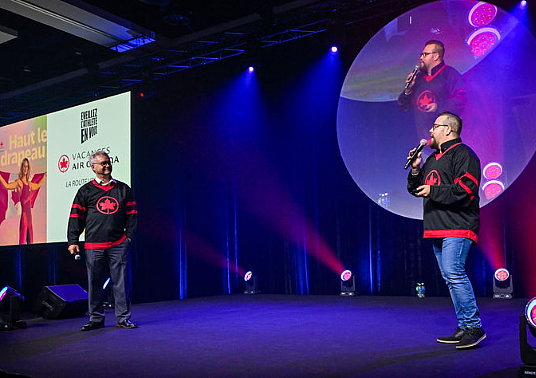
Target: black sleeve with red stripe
(131, 211)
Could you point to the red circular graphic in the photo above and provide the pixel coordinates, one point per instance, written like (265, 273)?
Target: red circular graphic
(426, 98)
(107, 205)
(64, 163)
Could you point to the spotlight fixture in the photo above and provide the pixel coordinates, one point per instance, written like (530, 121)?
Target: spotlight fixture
(492, 188)
(251, 283)
(10, 309)
(528, 352)
(492, 171)
(502, 284)
(347, 284)
(482, 14)
(483, 40)
(334, 49)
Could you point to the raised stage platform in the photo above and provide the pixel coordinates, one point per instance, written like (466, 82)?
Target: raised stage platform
(270, 336)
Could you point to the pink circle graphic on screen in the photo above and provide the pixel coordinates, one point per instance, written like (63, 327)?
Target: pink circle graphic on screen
(482, 14)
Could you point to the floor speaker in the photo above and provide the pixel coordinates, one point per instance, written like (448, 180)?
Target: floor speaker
(61, 301)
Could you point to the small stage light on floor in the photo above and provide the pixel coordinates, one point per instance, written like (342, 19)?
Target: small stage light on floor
(251, 283)
(528, 352)
(502, 284)
(10, 309)
(347, 284)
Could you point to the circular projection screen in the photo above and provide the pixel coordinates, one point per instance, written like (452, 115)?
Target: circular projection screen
(492, 50)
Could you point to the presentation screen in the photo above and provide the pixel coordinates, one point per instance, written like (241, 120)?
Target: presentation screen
(45, 160)
(480, 42)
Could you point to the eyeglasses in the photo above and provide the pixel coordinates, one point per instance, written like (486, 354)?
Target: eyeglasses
(436, 125)
(104, 163)
(426, 53)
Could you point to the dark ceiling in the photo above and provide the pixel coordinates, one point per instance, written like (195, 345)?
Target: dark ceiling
(46, 66)
(41, 52)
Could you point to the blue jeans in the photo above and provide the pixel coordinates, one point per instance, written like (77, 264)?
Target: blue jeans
(451, 254)
(97, 262)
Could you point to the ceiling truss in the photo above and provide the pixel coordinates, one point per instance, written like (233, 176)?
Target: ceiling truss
(296, 20)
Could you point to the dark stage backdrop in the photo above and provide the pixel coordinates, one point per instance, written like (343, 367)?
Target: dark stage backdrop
(235, 171)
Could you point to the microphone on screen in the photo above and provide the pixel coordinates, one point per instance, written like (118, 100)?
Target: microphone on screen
(411, 77)
(423, 143)
(77, 256)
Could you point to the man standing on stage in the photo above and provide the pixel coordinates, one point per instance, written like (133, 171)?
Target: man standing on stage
(435, 88)
(105, 209)
(449, 183)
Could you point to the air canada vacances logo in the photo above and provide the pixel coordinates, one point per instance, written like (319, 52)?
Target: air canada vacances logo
(63, 163)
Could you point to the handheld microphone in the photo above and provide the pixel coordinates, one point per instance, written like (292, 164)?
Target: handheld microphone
(77, 256)
(411, 77)
(422, 144)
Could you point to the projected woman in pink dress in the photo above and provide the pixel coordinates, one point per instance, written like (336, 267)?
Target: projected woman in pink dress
(26, 191)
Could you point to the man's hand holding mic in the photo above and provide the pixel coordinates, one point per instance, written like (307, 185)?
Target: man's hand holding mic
(410, 80)
(74, 249)
(423, 190)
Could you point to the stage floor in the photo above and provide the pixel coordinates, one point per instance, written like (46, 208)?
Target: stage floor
(271, 336)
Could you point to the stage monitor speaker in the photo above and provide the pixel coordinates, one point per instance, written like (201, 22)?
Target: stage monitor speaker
(62, 301)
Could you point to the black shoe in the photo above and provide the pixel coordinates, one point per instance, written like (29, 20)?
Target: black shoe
(471, 337)
(452, 339)
(91, 326)
(127, 323)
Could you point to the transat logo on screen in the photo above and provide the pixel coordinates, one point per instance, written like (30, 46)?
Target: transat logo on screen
(88, 125)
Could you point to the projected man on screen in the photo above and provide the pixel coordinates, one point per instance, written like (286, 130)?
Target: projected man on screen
(448, 183)
(435, 88)
(25, 192)
(105, 209)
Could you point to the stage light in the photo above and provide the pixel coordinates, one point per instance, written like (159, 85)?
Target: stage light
(482, 14)
(334, 49)
(530, 312)
(251, 69)
(347, 284)
(492, 188)
(10, 309)
(492, 171)
(251, 283)
(527, 351)
(502, 284)
(483, 40)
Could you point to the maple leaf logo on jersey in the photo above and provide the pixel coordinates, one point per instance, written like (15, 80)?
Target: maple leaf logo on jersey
(107, 205)
(433, 179)
(425, 98)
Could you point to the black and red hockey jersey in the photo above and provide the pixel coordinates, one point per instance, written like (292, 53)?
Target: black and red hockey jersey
(107, 213)
(452, 209)
(445, 87)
